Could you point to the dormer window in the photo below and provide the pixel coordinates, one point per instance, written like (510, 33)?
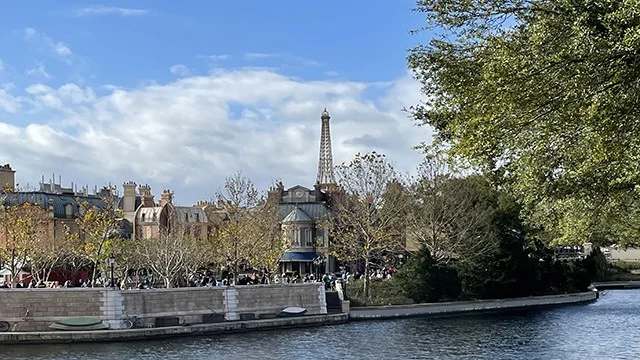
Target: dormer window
(68, 210)
(143, 217)
(197, 217)
(186, 217)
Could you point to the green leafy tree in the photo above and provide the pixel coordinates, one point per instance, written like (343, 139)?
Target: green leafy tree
(543, 95)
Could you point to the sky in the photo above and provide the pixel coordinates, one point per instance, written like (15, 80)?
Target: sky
(182, 96)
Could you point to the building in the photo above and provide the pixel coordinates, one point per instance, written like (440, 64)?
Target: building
(59, 205)
(149, 219)
(303, 214)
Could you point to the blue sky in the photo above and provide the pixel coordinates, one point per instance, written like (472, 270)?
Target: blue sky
(72, 72)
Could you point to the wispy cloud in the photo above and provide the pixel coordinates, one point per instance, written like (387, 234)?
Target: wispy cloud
(285, 57)
(221, 57)
(58, 48)
(94, 10)
(253, 56)
(1, 65)
(180, 70)
(39, 71)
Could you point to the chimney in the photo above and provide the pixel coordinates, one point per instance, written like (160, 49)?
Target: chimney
(7, 178)
(167, 197)
(145, 196)
(129, 197)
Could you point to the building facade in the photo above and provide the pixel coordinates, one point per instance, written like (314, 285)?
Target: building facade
(304, 215)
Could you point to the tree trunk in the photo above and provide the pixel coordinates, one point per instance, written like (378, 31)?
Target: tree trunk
(366, 279)
(92, 279)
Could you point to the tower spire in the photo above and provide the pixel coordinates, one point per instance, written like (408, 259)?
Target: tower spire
(325, 162)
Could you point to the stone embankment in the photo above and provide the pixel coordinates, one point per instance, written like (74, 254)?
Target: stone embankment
(199, 311)
(468, 307)
(617, 285)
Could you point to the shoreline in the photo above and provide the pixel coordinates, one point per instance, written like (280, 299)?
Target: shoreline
(460, 308)
(439, 310)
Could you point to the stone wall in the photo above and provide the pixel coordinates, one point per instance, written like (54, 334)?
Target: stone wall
(269, 299)
(46, 306)
(186, 305)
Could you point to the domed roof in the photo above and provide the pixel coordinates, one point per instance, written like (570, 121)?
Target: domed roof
(296, 215)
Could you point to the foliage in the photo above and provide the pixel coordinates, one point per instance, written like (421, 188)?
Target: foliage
(23, 228)
(449, 215)
(248, 228)
(50, 251)
(98, 233)
(423, 279)
(383, 292)
(543, 95)
(366, 224)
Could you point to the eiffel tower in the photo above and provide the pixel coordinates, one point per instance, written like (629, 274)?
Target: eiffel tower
(325, 164)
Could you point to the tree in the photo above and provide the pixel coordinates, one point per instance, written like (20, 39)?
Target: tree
(24, 228)
(248, 230)
(543, 95)
(50, 252)
(449, 216)
(98, 233)
(173, 255)
(366, 224)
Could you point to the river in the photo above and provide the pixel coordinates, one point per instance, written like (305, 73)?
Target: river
(606, 329)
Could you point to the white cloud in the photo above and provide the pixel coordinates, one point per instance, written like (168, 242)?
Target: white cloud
(180, 70)
(109, 10)
(58, 48)
(191, 133)
(298, 60)
(8, 103)
(253, 56)
(214, 58)
(39, 70)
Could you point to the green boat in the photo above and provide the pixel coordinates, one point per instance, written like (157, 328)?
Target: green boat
(79, 324)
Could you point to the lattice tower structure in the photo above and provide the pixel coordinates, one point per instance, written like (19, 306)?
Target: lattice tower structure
(325, 163)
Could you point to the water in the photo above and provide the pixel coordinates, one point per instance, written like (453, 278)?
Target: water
(607, 329)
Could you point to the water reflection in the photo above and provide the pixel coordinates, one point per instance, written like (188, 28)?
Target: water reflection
(607, 329)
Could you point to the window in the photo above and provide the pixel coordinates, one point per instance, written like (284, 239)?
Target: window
(295, 238)
(153, 218)
(186, 217)
(68, 210)
(143, 216)
(197, 217)
(308, 237)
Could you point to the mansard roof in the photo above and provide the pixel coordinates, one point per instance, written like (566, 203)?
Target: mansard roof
(192, 214)
(59, 201)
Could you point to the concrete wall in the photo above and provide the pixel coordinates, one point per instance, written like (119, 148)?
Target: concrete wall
(461, 307)
(47, 306)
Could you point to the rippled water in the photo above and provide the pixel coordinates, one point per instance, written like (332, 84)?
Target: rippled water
(607, 329)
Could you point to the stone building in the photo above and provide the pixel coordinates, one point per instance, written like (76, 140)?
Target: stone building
(59, 205)
(149, 219)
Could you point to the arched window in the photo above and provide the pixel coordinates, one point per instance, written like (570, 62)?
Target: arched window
(68, 210)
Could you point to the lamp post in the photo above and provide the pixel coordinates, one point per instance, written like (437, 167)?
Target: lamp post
(112, 261)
